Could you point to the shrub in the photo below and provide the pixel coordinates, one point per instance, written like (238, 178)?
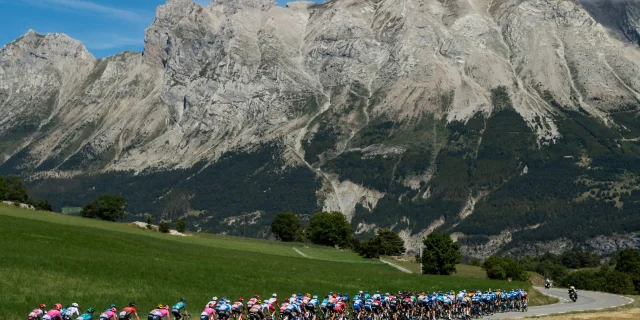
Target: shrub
(105, 207)
(502, 268)
(181, 225)
(164, 226)
(475, 262)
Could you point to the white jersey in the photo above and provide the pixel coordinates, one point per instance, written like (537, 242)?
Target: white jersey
(376, 296)
(210, 302)
(272, 301)
(70, 312)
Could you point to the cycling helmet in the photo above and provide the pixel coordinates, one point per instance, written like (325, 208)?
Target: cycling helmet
(214, 298)
(160, 306)
(274, 295)
(43, 306)
(259, 301)
(315, 296)
(113, 305)
(90, 310)
(241, 299)
(308, 295)
(256, 295)
(224, 299)
(377, 291)
(75, 305)
(132, 304)
(181, 299)
(293, 295)
(58, 306)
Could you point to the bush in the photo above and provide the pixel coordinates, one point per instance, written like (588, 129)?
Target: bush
(43, 205)
(164, 226)
(440, 254)
(502, 268)
(475, 262)
(329, 229)
(181, 225)
(385, 242)
(105, 207)
(551, 270)
(602, 280)
(149, 222)
(628, 261)
(286, 227)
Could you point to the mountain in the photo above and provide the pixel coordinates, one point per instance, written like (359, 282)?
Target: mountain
(511, 124)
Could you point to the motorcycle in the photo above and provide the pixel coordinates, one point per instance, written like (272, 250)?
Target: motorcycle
(547, 285)
(573, 296)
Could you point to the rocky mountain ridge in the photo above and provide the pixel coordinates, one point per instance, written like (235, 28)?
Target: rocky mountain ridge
(418, 115)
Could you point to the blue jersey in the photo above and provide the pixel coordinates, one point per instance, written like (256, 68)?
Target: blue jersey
(179, 306)
(223, 306)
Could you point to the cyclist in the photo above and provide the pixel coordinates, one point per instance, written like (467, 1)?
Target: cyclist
(237, 309)
(253, 300)
(274, 300)
(257, 311)
(208, 313)
(160, 313)
(214, 300)
(53, 314)
(223, 309)
(67, 314)
(126, 313)
(37, 314)
(266, 306)
(87, 315)
(358, 306)
(109, 314)
(178, 309)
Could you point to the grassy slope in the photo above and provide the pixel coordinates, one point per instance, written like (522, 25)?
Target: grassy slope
(48, 258)
(463, 270)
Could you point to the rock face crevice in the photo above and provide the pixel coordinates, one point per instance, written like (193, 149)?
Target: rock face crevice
(339, 87)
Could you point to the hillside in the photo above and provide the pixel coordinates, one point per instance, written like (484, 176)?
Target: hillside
(115, 263)
(512, 124)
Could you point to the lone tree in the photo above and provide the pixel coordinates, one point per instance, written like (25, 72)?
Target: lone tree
(15, 189)
(181, 225)
(105, 207)
(286, 226)
(391, 243)
(440, 254)
(329, 229)
(385, 242)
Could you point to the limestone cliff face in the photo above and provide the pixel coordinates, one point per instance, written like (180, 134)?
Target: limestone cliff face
(321, 82)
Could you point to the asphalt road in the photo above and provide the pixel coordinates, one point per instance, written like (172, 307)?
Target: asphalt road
(587, 300)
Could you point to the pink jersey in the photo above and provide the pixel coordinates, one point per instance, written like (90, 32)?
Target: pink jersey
(208, 312)
(54, 314)
(109, 315)
(164, 312)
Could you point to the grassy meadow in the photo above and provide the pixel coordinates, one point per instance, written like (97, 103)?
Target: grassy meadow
(49, 258)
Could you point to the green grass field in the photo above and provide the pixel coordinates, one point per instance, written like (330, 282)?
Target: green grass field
(49, 258)
(462, 270)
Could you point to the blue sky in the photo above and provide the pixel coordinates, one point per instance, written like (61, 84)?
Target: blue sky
(105, 27)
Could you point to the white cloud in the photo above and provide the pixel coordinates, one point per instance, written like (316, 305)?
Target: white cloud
(88, 6)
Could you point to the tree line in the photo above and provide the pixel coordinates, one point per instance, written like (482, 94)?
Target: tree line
(13, 189)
